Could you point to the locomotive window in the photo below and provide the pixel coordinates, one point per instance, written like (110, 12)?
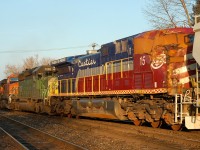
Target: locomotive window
(12, 80)
(64, 69)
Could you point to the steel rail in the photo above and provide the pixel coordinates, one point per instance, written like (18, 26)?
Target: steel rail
(17, 143)
(32, 138)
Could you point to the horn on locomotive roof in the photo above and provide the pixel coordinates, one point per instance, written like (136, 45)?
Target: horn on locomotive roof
(94, 45)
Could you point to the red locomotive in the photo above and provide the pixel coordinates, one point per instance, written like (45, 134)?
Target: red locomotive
(149, 77)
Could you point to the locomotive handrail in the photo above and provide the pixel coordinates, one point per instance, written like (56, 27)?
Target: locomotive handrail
(186, 96)
(180, 97)
(197, 93)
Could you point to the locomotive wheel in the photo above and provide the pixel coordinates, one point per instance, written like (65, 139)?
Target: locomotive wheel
(177, 127)
(156, 124)
(137, 122)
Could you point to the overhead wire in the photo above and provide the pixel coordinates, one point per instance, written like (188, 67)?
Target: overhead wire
(40, 50)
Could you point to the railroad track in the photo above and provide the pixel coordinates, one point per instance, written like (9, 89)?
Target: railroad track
(9, 142)
(27, 137)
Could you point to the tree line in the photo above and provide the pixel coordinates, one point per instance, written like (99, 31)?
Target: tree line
(28, 63)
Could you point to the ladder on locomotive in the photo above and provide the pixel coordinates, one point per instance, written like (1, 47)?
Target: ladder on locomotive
(181, 100)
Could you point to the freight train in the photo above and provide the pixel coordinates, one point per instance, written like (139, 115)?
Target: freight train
(148, 77)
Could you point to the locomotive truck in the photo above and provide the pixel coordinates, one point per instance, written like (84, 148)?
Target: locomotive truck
(148, 77)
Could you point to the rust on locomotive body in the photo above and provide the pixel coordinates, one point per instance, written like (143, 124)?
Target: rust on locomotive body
(170, 55)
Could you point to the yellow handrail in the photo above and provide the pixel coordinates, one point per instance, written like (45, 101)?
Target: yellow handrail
(92, 84)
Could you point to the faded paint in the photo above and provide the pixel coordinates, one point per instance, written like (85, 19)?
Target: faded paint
(170, 53)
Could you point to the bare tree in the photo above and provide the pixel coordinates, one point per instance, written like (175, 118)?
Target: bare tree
(169, 13)
(31, 62)
(28, 63)
(186, 12)
(12, 69)
(45, 61)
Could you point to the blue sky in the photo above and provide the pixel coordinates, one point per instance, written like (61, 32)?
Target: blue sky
(50, 24)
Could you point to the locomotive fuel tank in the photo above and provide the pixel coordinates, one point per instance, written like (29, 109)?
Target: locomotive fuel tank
(25, 106)
(99, 108)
